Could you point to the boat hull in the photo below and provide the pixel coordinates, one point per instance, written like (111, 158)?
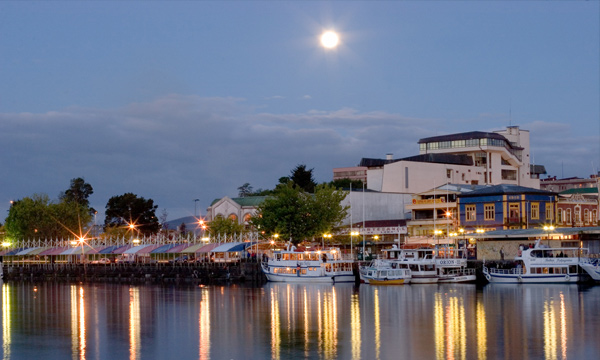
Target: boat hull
(388, 281)
(424, 280)
(311, 279)
(458, 279)
(532, 279)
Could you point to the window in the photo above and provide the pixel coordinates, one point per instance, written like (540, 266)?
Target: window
(560, 216)
(568, 217)
(550, 211)
(489, 212)
(535, 211)
(448, 173)
(577, 214)
(594, 217)
(586, 216)
(470, 212)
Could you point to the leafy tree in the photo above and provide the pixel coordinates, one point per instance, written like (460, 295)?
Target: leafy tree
(79, 192)
(222, 225)
(297, 215)
(345, 184)
(37, 217)
(245, 190)
(129, 209)
(303, 178)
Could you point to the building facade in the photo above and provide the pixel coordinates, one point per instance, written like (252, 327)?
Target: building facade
(506, 207)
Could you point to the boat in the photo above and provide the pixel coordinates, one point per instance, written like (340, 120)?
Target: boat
(540, 264)
(592, 267)
(386, 275)
(451, 266)
(420, 262)
(315, 266)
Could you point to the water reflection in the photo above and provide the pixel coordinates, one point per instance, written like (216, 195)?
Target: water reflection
(281, 321)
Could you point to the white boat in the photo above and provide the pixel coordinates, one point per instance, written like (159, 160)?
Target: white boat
(421, 263)
(386, 276)
(540, 265)
(592, 267)
(451, 266)
(315, 266)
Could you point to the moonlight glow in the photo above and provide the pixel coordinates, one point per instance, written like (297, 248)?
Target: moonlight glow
(329, 39)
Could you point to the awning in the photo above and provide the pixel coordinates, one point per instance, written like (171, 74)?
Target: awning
(179, 248)
(207, 248)
(12, 252)
(55, 250)
(164, 248)
(136, 249)
(77, 250)
(231, 247)
(122, 249)
(27, 251)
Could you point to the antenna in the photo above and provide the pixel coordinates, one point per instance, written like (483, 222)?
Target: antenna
(510, 112)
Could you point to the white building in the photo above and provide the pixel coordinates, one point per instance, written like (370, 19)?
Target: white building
(475, 158)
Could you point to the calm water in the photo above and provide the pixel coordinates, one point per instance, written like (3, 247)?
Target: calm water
(106, 321)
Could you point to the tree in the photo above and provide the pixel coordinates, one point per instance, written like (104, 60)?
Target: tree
(129, 209)
(222, 225)
(297, 215)
(245, 190)
(345, 184)
(79, 192)
(37, 217)
(303, 178)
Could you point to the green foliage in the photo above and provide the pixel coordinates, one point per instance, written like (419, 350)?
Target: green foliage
(126, 209)
(345, 184)
(303, 178)
(297, 215)
(245, 190)
(79, 192)
(222, 225)
(37, 217)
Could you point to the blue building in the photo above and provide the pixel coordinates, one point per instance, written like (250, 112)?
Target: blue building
(506, 207)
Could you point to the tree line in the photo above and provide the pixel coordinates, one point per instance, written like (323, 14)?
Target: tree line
(296, 209)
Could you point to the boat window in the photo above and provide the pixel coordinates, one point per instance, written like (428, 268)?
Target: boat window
(545, 271)
(573, 269)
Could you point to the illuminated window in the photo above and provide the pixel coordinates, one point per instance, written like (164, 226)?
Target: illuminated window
(470, 212)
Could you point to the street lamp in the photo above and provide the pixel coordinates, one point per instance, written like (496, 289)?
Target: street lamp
(548, 229)
(436, 234)
(328, 236)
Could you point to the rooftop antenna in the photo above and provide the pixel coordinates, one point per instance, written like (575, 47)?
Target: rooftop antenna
(510, 112)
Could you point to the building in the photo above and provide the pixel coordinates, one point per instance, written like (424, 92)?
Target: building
(474, 158)
(434, 212)
(240, 209)
(506, 207)
(577, 207)
(559, 185)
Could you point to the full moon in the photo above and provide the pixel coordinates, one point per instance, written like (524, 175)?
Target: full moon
(329, 39)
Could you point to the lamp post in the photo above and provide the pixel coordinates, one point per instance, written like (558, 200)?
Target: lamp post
(352, 234)
(328, 236)
(436, 235)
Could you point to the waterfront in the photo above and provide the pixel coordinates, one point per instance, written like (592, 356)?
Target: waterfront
(296, 321)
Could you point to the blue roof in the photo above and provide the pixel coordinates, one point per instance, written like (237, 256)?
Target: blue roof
(108, 250)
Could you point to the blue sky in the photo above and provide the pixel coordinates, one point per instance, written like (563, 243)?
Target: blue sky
(177, 101)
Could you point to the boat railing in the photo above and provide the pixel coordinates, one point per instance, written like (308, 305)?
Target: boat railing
(458, 271)
(514, 271)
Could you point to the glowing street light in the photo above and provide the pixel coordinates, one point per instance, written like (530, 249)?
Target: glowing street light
(548, 229)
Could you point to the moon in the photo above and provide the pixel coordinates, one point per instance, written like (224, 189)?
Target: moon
(330, 39)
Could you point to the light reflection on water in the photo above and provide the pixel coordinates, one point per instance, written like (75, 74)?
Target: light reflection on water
(296, 321)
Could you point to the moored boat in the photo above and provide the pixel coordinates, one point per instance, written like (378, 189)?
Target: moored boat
(540, 264)
(451, 266)
(387, 276)
(322, 266)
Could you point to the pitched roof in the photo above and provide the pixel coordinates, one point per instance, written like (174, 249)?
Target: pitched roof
(245, 201)
(503, 189)
(586, 190)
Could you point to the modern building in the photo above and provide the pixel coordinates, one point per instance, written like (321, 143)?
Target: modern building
(506, 207)
(471, 158)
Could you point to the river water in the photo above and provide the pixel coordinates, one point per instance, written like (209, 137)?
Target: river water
(296, 321)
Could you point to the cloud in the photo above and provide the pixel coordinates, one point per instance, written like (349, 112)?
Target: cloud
(179, 148)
